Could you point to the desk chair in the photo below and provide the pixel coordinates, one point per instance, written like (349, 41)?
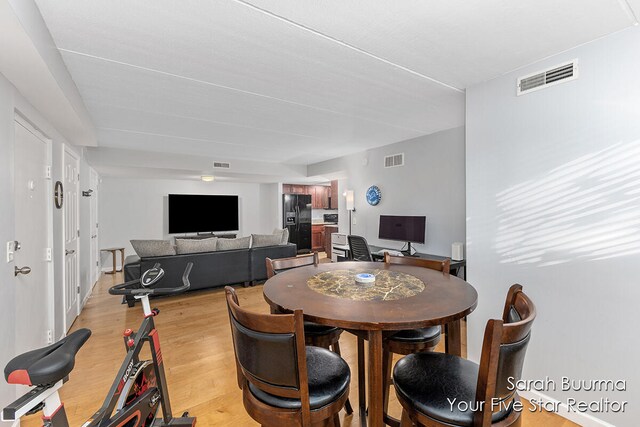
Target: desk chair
(359, 248)
(283, 382)
(411, 340)
(424, 381)
(315, 334)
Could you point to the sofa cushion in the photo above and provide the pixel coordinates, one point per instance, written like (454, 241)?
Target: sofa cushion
(194, 246)
(261, 240)
(283, 233)
(149, 248)
(230, 244)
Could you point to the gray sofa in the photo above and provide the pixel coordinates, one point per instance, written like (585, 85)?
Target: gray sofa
(210, 269)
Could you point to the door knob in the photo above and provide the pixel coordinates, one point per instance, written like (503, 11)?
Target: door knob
(69, 252)
(23, 270)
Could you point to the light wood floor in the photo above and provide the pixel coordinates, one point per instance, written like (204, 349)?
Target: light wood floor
(198, 355)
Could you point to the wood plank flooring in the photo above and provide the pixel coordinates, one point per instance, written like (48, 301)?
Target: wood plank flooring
(198, 354)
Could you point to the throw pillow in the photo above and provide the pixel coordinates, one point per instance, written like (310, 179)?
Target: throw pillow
(149, 248)
(195, 246)
(260, 240)
(283, 233)
(230, 244)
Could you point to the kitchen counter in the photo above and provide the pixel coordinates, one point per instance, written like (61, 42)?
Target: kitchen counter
(324, 223)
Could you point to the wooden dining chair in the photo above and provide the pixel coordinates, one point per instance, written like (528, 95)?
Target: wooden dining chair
(315, 334)
(359, 248)
(411, 340)
(284, 382)
(425, 381)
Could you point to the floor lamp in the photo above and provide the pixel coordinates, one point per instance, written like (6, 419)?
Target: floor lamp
(351, 206)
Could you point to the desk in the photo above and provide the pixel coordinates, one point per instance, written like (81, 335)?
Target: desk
(455, 265)
(429, 298)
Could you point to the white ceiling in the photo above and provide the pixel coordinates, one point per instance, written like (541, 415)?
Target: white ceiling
(300, 81)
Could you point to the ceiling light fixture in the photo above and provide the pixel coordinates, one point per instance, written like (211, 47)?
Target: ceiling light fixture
(207, 178)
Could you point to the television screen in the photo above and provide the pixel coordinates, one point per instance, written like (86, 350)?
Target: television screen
(190, 213)
(404, 228)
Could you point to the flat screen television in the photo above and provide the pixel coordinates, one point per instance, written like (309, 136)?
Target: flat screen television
(404, 228)
(195, 213)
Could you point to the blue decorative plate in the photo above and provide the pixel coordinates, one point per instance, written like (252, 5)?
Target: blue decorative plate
(373, 195)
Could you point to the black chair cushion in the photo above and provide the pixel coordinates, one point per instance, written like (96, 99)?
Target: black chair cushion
(46, 365)
(428, 379)
(417, 335)
(314, 329)
(329, 378)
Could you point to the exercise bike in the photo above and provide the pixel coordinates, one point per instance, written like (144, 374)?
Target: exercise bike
(139, 389)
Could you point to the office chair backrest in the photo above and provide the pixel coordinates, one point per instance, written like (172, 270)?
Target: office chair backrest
(359, 248)
(433, 264)
(503, 353)
(275, 266)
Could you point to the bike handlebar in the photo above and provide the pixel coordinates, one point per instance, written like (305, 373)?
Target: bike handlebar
(128, 289)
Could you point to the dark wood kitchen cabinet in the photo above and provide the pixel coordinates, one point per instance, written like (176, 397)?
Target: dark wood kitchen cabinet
(317, 238)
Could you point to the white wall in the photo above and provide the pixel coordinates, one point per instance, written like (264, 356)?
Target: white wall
(10, 102)
(136, 208)
(432, 183)
(7, 290)
(553, 202)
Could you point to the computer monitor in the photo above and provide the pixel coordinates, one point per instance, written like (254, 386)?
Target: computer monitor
(410, 229)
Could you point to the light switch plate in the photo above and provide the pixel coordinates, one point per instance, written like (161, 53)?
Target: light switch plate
(10, 250)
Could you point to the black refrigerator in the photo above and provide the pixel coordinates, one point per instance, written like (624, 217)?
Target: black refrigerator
(296, 209)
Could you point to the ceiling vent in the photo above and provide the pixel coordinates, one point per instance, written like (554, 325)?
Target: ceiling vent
(543, 79)
(221, 165)
(394, 160)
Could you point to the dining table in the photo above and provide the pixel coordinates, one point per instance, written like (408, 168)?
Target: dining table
(401, 297)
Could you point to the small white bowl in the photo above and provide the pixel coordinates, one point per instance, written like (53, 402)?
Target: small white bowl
(365, 278)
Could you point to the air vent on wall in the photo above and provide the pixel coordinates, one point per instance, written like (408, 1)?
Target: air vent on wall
(221, 165)
(552, 76)
(394, 160)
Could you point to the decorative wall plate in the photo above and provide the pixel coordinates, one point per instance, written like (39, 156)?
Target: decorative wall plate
(373, 195)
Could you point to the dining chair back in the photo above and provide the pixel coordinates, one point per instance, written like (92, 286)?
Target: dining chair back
(278, 386)
(433, 264)
(359, 248)
(275, 266)
(503, 353)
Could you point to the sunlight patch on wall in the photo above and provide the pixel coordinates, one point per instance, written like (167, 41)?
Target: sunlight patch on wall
(586, 209)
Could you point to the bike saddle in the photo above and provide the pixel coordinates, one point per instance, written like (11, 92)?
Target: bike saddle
(46, 365)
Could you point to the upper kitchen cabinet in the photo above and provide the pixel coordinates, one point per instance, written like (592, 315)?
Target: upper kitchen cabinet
(322, 196)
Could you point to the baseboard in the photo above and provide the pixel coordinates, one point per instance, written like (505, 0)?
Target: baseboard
(581, 418)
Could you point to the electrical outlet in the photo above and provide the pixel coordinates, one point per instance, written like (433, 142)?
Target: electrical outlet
(49, 336)
(353, 220)
(10, 250)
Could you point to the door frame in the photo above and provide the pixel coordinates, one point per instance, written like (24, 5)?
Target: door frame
(64, 225)
(21, 120)
(94, 178)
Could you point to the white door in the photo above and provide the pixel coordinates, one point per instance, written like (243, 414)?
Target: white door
(33, 288)
(71, 240)
(93, 228)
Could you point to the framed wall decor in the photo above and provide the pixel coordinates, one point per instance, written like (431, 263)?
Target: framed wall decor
(58, 194)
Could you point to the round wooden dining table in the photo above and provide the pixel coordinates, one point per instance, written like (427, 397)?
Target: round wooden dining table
(402, 297)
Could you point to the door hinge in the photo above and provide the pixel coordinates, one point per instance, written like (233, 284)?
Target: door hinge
(78, 233)
(97, 264)
(47, 172)
(78, 288)
(49, 256)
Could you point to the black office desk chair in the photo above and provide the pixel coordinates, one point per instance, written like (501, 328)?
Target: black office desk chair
(359, 248)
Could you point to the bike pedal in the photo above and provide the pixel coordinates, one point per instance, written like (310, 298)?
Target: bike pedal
(36, 409)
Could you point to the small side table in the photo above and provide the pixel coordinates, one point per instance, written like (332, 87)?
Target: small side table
(113, 254)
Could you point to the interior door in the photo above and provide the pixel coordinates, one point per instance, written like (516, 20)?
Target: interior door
(71, 240)
(93, 228)
(33, 293)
